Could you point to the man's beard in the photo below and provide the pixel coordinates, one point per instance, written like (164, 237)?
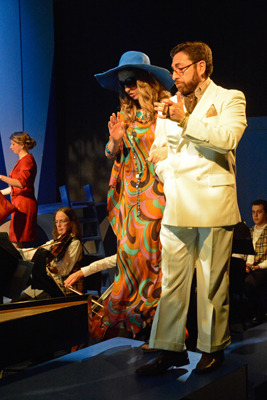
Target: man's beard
(191, 86)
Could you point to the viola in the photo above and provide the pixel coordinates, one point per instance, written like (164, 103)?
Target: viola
(60, 246)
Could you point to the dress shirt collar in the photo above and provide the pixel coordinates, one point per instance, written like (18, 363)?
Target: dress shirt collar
(202, 88)
(192, 99)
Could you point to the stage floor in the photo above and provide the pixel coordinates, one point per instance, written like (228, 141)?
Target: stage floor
(250, 347)
(107, 371)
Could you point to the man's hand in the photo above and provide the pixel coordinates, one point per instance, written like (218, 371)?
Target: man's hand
(251, 267)
(175, 110)
(73, 278)
(158, 154)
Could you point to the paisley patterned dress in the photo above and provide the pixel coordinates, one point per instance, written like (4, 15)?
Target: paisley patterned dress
(135, 208)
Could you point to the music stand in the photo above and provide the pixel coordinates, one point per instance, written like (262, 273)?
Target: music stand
(14, 272)
(242, 241)
(19, 280)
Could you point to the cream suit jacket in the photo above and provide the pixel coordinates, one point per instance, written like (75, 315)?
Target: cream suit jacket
(199, 172)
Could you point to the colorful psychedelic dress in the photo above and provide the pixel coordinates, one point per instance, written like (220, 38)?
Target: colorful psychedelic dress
(135, 208)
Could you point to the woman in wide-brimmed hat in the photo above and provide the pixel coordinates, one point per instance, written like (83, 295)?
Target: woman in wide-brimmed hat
(135, 198)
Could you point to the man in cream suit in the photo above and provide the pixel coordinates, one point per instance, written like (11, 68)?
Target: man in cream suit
(194, 156)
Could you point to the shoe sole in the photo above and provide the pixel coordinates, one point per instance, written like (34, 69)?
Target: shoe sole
(207, 370)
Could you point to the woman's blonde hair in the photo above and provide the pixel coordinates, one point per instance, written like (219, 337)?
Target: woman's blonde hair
(150, 90)
(70, 213)
(23, 138)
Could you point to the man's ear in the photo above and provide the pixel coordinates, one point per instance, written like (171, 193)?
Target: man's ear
(201, 67)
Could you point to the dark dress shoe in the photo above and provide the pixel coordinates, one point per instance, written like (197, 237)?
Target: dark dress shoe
(209, 362)
(162, 362)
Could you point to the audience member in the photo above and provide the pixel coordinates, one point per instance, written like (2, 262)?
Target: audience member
(256, 265)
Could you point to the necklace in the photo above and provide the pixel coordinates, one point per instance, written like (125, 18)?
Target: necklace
(139, 166)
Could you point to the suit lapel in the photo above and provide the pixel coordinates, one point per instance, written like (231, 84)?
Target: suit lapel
(201, 109)
(206, 101)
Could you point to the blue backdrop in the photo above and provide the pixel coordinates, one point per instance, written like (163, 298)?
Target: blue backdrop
(26, 86)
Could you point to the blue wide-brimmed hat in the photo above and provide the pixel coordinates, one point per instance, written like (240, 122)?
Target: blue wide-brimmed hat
(134, 59)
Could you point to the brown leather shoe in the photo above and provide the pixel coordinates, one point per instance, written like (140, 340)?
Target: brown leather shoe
(162, 362)
(209, 362)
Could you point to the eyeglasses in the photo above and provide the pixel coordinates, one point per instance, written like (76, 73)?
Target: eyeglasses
(128, 83)
(62, 221)
(182, 70)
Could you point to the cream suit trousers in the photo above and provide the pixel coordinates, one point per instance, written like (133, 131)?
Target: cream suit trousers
(183, 249)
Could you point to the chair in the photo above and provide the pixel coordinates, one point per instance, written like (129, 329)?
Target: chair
(91, 233)
(64, 194)
(236, 291)
(88, 193)
(242, 244)
(107, 275)
(92, 282)
(89, 219)
(91, 227)
(65, 199)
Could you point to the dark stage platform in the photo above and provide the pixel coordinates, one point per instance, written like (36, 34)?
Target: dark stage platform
(107, 371)
(250, 347)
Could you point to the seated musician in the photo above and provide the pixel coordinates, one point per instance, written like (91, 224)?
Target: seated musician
(58, 258)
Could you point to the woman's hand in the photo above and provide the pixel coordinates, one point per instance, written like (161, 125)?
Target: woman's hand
(54, 270)
(73, 278)
(116, 128)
